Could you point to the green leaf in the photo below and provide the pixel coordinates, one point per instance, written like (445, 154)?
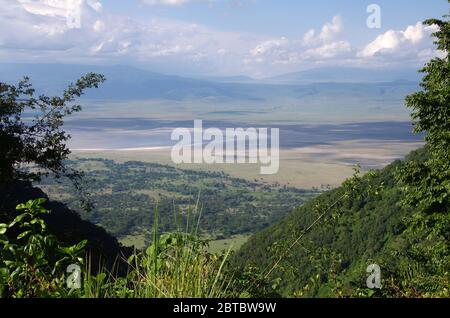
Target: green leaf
(23, 234)
(81, 245)
(40, 201)
(3, 228)
(101, 277)
(18, 219)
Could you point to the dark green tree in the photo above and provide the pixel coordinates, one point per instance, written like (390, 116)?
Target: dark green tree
(426, 184)
(39, 140)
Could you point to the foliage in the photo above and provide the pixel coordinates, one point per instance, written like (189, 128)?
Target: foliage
(123, 195)
(176, 265)
(426, 184)
(33, 262)
(31, 129)
(362, 217)
(318, 232)
(406, 230)
(397, 217)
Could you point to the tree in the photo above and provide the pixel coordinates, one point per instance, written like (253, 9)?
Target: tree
(40, 140)
(426, 184)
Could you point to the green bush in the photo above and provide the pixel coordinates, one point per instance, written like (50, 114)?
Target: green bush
(33, 262)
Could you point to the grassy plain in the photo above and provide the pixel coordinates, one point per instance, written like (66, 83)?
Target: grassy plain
(233, 243)
(307, 167)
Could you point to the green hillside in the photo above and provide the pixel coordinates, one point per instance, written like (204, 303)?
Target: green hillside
(340, 249)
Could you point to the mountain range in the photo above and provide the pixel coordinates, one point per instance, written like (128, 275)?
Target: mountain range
(130, 83)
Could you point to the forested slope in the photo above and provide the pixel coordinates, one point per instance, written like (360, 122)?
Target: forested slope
(339, 250)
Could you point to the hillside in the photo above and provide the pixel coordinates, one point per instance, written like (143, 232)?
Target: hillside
(366, 228)
(102, 249)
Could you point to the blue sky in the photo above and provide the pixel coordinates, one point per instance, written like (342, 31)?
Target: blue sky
(285, 17)
(219, 37)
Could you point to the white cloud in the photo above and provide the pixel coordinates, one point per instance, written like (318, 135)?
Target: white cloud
(330, 50)
(309, 37)
(99, 26)
(37, 31)
(331, 30)
(269, 46)
(55, 8)
(411, 41)
(311, 48)
(44, 33)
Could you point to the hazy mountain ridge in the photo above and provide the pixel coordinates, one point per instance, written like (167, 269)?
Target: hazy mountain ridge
(130, 83)
(346, 75)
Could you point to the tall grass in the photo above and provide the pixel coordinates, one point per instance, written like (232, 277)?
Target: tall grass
(174, 265)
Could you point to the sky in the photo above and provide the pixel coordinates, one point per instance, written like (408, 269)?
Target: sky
(258, 38)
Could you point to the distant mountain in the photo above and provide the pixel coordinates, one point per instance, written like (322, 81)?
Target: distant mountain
(123, 82)
(231, 79)
(130, 83)
(345, 75)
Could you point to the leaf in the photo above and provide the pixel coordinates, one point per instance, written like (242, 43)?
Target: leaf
(21, 206)
(40, 201)
(4, 272)
(370, 293)
(23, 234)
(150, 250)
(101, 277)
(81, 245)
(18, 219)
(3, 228)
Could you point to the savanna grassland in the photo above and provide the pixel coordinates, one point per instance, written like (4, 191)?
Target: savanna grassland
(125, 195)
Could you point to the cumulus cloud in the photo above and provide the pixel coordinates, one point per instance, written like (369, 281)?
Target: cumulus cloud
(330, 50)
(313, 46)
(272, 48)
(409, 47)
(329, 32)
(414, 41)
(37, 31)
(331, 29)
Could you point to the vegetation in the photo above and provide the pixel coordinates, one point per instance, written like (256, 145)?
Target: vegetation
(345, 244)
(41, 139)
(34, 264)
(32, 261)
(397, 217)
(426, 184)
(122, 197)
(405, 229)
